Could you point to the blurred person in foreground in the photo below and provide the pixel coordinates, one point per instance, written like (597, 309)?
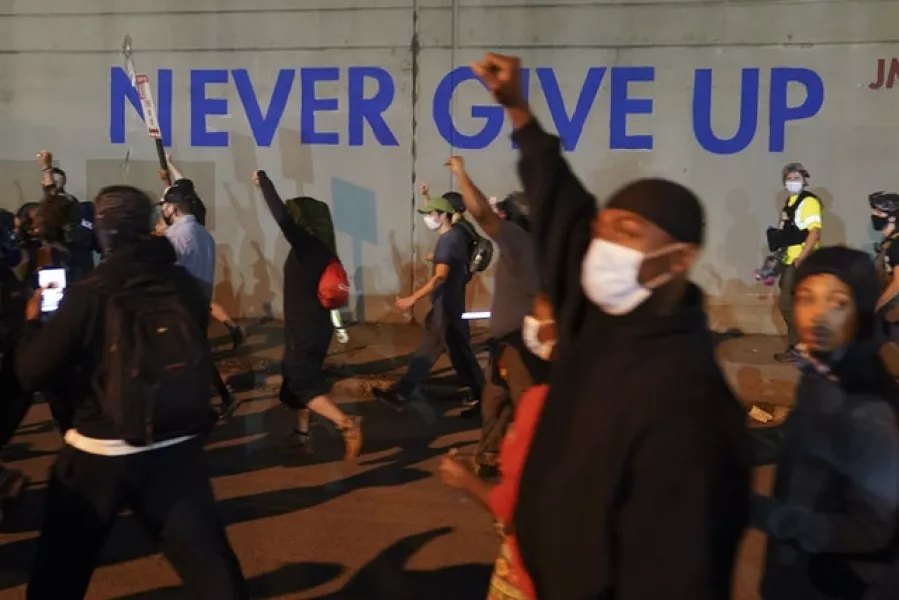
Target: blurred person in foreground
(510, 580)
(637, 481)
(832, 520)
(137, 416)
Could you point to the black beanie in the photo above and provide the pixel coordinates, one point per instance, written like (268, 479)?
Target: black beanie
(854, 268)
(670, 206)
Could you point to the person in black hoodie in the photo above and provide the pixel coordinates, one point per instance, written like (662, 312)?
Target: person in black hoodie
(166, 482)
(307, 329)
(833, 520)
(637, 481)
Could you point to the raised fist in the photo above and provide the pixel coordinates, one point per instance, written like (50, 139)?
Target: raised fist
(456, 164)
(45, 159)
(502, 76)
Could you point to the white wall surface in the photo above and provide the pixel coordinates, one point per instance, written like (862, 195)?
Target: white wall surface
(56, 70)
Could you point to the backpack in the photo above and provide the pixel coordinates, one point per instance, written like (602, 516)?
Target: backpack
(334, 286)
(480, 249)
(158, 364)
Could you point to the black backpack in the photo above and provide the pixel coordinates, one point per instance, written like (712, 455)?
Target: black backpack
(480, 249)
(158, 364)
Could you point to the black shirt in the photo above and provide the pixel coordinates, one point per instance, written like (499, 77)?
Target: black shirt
(452, 251)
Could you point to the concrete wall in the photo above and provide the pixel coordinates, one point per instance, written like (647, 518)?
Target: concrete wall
(813, 61)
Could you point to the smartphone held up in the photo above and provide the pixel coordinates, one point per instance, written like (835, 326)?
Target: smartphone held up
(53, 287)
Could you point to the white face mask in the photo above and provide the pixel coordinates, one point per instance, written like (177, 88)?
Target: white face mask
(529, 333)
(431, 222)
(794, 187)
(610, 276)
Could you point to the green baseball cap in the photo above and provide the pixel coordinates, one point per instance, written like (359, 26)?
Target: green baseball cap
(437, 205)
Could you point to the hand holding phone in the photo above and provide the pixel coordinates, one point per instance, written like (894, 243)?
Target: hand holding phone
(53, 286)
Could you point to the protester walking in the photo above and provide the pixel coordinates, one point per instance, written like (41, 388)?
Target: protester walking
(444, 328)
(193, 205)
(510, 579)
(515, 285)
(307, 328)
(133, 333)
(637, 481)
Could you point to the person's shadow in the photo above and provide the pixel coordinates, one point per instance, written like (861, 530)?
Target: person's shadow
(288, 579)
(387, 578)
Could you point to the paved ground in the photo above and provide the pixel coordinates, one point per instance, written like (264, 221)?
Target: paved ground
(321, 528)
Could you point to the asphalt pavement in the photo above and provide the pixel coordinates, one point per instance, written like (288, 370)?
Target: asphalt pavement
(316, 527)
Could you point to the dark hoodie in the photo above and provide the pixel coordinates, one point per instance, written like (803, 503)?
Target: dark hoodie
(70, 346)
(637, 482)
(832, 520)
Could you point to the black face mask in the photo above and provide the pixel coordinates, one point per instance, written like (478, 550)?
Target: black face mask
(879, 223)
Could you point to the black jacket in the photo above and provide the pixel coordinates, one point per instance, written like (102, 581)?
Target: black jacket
(14, 402)
(636, 485)
(303, 267)
(69, 347)
(833, 519)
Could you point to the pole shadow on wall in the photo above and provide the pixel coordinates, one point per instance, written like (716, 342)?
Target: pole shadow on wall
(354, 211)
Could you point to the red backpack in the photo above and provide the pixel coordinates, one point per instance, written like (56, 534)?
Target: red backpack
(334, 286)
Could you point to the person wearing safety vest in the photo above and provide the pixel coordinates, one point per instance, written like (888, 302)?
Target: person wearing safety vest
(800, 235)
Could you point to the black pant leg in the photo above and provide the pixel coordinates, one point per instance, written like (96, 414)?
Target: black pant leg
(84, 496)
(172, 495)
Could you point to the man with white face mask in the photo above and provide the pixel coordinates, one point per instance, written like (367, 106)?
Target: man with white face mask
(637, 480)
(444, 327)
(800, 230)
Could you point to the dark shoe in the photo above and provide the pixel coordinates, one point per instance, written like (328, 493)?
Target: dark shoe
(12, 482)
(237, 337)
(488, 473)
(468, 401)
(301, 440)
(789, 356)
(226, 411)
(472, 412)
(391, 398)
(351, 431)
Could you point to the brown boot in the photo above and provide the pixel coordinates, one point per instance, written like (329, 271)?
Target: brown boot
(351, 431)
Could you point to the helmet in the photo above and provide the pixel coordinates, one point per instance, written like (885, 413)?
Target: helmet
(887, 202)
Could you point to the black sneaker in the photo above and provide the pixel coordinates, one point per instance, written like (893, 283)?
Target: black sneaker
(488, 473)
(226, 411)
(391, 398)
(301, 440)
(468, 401)
(237, 337)
(472, 412)
(788, 356)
